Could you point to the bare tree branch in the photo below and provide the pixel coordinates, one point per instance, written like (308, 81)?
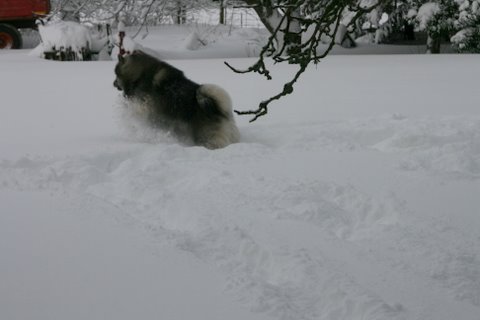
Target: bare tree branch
(316, 18)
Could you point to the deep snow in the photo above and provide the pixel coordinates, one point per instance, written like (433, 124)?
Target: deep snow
(355, 198)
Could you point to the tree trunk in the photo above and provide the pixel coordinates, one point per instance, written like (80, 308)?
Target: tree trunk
(271, 18)
(222, 12)
(268, 16)
(181, 13)
(433, 44)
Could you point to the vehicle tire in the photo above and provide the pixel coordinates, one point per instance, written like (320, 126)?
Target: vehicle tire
(10, 37)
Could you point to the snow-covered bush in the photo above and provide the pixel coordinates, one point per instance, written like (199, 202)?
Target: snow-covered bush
(437, 18)
(456, 20)
(65, 36)
(377, 26)
(68, 40)
(426, 13)
(467, 38)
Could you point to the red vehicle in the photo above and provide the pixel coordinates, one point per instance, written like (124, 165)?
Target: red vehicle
(15, 14)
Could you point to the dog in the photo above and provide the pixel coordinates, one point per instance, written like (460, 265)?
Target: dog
(201, 113)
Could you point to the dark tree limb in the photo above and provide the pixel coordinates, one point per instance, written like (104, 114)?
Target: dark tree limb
(320, 17)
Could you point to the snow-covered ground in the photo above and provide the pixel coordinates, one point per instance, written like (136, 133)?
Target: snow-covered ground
(355, 198)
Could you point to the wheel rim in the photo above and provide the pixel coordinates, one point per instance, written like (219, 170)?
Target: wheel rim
(6, 41)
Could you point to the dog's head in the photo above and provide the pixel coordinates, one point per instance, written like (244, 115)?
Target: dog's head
(118, 83)
(124, 80)
(140, 74)
(132, 71)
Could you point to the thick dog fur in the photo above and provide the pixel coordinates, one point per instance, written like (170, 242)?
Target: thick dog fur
(170, 101)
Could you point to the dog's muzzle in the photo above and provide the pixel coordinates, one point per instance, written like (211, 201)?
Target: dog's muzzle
(117, 85)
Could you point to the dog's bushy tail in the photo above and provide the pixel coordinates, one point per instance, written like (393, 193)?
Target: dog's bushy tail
(215, 98)
(216, 102)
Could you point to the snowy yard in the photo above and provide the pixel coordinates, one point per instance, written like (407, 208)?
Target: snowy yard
(357, 197)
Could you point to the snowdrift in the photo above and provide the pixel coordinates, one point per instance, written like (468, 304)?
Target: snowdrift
(355, 198)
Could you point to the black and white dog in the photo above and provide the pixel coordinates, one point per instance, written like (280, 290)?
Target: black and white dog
(168, 100)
